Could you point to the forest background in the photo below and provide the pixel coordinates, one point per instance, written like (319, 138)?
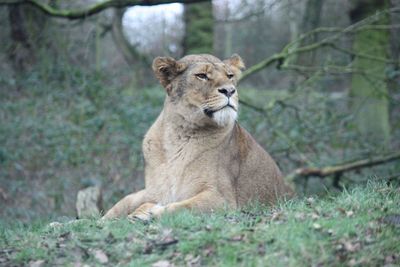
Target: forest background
(321, 92)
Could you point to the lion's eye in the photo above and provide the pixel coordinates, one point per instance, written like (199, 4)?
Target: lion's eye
(202, 76)
(230, 76)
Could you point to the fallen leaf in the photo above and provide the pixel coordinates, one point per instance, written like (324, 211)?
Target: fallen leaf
(153, 228)
(369, 236)
(132, 238)
(237, 238)
(193, 261)
(310, 201)
(300, 216)
(166, 238)
(100, 256)
(261, 249)
(390, 259)
(162, 263)
(208, 251)
(316, 226)
(341, 210)
(352, 262)
(148, 248)
(38, 263)
(55, 224)
(167, 241)
(315, 216)
(384, 190)
(232, 219)
(349, 213)
(351, 247)
(175, 254)
(373, 224)
(64, 236)
(277, 216)
(339, 247)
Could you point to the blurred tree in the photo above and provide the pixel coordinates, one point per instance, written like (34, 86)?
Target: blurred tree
(199, 28)
(311, 20)
(20, 51)
(394, 79)
(131, 55)
(28, 30)
(370, 94)
(228, 30)
(136, 60)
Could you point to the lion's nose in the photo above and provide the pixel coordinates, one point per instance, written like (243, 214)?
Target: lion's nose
(227, 91)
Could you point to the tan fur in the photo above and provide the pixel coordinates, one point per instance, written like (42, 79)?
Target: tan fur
(196, 154)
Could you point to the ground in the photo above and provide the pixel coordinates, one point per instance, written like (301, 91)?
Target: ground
(359, 227)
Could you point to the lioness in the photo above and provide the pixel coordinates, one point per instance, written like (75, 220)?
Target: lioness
(196, 154)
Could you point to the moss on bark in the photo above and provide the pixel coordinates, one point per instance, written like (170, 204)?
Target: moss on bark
(369, 93)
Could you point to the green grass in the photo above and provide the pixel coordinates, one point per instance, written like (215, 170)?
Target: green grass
(353, 228)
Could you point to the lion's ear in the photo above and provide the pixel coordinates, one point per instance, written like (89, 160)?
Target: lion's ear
(166, 69)
(235, 61)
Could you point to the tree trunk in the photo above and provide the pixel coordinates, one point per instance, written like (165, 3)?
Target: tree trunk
(20, 52)
(198, 28)
(370, 95)
(311, 20)
(133, 57)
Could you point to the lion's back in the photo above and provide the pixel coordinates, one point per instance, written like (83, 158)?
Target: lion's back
(260, 178)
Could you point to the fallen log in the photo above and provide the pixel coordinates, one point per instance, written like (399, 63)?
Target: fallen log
(341, 168)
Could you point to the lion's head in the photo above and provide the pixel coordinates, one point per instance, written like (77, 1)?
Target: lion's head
(201, 88)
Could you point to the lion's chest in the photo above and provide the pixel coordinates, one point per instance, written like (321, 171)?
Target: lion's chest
(185, 173)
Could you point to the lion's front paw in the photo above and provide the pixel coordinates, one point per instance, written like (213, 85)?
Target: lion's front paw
(139, 216)
(146, 212)
(157, 210)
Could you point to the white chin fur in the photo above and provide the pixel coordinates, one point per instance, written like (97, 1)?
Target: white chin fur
(224, 116)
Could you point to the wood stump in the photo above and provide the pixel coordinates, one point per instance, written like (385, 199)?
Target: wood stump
(89, 202)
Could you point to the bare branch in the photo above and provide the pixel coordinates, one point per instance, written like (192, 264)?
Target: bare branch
(93, 9)
(286, 52)
(360, 55)
(263, 64)
(249, 105)
(332, 69)
(338, 30)
(242, 18)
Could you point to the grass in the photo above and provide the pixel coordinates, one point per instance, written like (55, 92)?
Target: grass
(359, 227)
